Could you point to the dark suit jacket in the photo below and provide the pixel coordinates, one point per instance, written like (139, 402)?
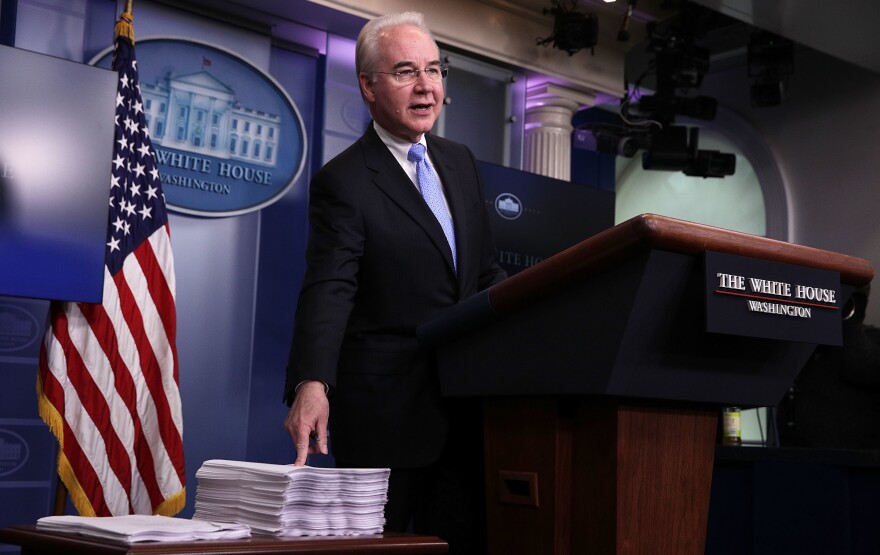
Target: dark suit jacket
(378, 265)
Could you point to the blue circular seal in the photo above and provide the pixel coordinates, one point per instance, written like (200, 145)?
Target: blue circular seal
(18, 328)
(228, 138)
(14, 452)
(508, 206)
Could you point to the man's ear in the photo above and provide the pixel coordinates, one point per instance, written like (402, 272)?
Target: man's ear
(366, 87)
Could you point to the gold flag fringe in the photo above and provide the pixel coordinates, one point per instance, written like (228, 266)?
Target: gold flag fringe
(124, 27)
(50, 416)
(78, 497)
(173, 504)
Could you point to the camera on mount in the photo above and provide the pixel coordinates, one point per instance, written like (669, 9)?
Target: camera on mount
(679, 61)
(647, 123)
(572, 30)
(675, 148)
(617, 143)
(680, 65)
(665, 107)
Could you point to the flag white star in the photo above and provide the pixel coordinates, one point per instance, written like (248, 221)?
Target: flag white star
(130, 124)
(113, 244)
(146, 212)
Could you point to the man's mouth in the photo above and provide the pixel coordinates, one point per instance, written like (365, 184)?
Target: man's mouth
(421, 107)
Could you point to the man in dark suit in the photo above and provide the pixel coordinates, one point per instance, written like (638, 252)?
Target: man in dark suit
(379, 263)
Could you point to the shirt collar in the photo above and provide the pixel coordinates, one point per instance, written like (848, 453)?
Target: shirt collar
(398, 147)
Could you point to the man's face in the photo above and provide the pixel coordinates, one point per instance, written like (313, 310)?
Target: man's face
(404, 110)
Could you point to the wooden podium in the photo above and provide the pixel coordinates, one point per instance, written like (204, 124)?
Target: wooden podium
(601, 386)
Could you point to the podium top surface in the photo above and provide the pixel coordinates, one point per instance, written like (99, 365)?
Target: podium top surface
(650, 231)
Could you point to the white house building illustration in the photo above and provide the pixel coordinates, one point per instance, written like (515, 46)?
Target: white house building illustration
(508, 206)
(197, 113)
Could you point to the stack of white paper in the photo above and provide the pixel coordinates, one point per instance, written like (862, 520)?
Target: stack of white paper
(141, 528)
(286, 500)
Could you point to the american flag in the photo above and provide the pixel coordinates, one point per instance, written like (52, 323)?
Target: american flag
(108, 376)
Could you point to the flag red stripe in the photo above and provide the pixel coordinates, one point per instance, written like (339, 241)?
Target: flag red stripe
(151, 374)
(92, 396)
(85, 473)
(159, 288)
(124, 385)
(93, 402)
(52, 388)
(171, 307)
(161, 296)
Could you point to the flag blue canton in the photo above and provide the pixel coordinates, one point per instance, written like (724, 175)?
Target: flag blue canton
(137, 204)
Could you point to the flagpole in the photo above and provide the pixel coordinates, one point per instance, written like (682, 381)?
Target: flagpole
(60, 497)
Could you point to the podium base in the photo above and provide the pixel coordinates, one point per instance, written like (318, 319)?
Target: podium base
(597, 475)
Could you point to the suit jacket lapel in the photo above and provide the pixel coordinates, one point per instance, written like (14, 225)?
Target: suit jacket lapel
(452, 182)
(391, 179)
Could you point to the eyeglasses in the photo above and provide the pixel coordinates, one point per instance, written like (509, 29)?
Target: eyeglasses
(406, 76)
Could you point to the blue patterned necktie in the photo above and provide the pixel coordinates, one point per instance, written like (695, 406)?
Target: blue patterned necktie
(430, 188)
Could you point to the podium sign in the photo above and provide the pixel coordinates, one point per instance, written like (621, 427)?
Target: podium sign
(765, 298)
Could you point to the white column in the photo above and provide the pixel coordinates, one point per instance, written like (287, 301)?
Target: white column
(547, 143)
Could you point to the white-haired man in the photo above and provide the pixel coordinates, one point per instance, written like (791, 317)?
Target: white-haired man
(399, 233)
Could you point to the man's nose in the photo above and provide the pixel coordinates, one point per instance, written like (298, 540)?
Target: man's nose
(423, 83)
